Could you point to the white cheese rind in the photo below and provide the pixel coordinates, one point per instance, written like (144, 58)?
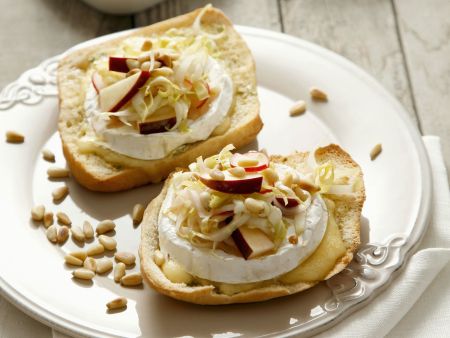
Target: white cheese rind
(127, 141)
(220, 266)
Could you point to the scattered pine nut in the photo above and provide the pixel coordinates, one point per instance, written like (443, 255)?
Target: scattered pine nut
(88, 230)
(83, 273)
(48, 218)
(51, 233)
(56, 172)
(97, 249)
(253, 205)
(37, 213)
(71, 260)
(132, 64)
(144, 58)
(158, 258)
(145, 66)
(90, 264)
(105, 226)
(104, 265)
(318, 95)
(146, 45)
(375, 151)
(132, 279)
(62, 235)
(125, 257)
(298, 108)
(119, 272)
(217, 175)
(237, 171)
(48, 155)
(14, 137)
(60, 193)
(138, 213)
(117, 303)
(108, 242)
(63, 218)
(80, 254)
(78, 234)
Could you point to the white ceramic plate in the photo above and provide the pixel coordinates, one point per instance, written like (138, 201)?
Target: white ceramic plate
(359, 114)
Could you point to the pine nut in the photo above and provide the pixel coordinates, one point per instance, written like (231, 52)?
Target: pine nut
(138, 214)
(217, 175)
(56, 172)
(375, 151)
(104, 265)
(90, 264)
(51, 234)
(37, 213)
(132, 279)
(60, 193)
(78, 234)
(117, 303)
(48, 219)
(253, 205)
(163, 71)
(63, 234)
(119, 272)
(88, 230)
(132, 72)
(270, 175)
(145, 66)
(73, 260)
(144, 58)
(298, 108)
(146, 45)
(105, 226)
(108, 243)
(80, 254)
(317, 94)
(247, 162)
(132, 64)
(125, 257)
(63, 218)
(48, 155)
(96, 249)
(158, 257)
(237, 171)
(14, 137)
(83, 273)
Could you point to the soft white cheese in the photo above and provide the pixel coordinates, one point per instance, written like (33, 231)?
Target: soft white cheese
(127, 141)
(220, 266)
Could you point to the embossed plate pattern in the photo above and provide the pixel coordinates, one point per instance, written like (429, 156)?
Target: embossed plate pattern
(359, 114)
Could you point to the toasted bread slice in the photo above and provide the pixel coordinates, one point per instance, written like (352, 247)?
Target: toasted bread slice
(346, 213)
(106, 170)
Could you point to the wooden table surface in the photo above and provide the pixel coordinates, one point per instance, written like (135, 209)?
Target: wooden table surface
(405, 44)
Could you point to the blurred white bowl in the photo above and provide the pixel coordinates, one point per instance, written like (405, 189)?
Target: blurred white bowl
(121, 6)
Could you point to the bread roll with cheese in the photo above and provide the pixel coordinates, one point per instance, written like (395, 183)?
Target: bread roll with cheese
(217, 236)
(134, 108)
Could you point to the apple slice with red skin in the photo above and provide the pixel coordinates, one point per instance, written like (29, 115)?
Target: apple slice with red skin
(114, 97)
(252, 242)
(291, 202)
(232, 185)
(158, 123)
(97, 82)
(119, 64)
(263, 160)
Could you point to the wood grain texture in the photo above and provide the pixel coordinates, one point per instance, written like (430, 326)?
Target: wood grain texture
(362, 31)
(258, 13)
(47, 28)
(425, 34)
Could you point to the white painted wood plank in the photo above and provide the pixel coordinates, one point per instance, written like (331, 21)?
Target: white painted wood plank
(362, 31)
(425, 34)
(35, 30)
(258, 13)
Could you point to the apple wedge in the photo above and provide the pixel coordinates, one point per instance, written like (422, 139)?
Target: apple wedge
(114, 97)
(252, 161)
(120, 64)
(232, 185)
(97, 82)
(252, 242)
